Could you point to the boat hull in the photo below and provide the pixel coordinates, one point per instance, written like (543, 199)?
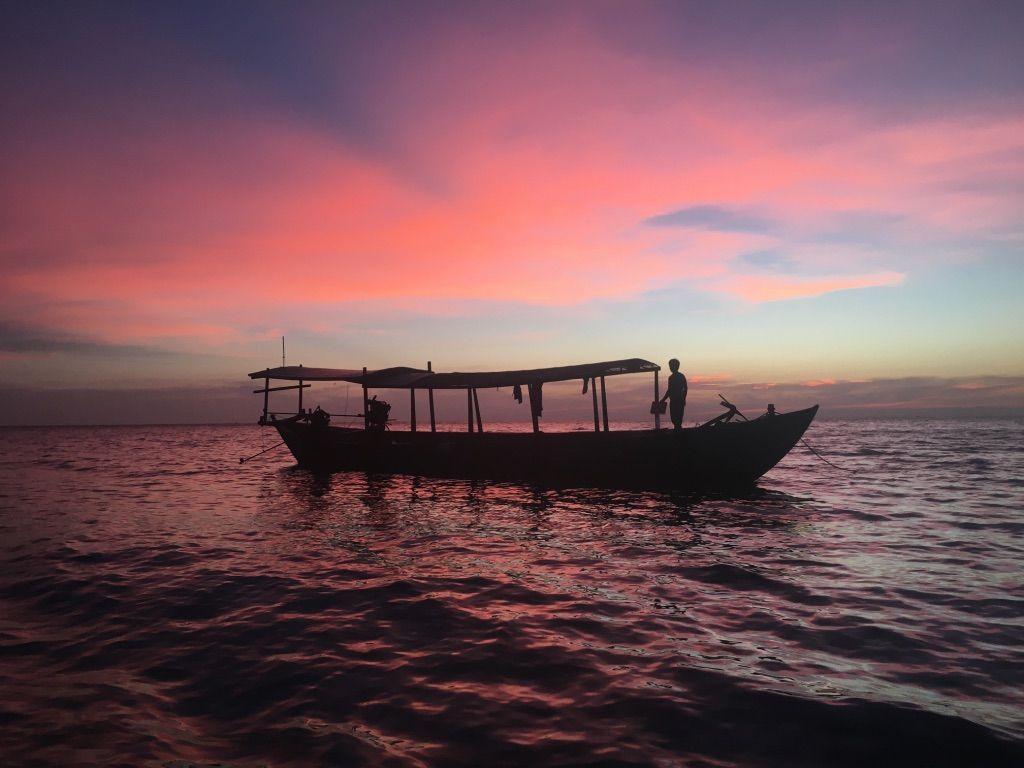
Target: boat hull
(726, 455)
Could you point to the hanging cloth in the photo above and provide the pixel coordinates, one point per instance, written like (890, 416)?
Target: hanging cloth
(517, 393)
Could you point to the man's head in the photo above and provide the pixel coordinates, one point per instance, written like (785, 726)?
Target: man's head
(673, 365)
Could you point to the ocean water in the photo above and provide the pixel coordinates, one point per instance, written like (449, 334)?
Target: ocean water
(163, 605)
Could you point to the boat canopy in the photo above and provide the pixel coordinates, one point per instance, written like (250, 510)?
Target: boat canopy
(417, 378)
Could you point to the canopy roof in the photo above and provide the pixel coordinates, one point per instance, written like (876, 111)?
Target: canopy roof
(405, 378)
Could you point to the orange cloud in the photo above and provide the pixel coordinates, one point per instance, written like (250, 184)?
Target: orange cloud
(779, 288)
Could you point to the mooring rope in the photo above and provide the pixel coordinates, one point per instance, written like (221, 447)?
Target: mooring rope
(808, 446)
(250, 458)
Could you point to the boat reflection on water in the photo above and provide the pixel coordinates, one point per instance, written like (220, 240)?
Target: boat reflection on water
(393, 500)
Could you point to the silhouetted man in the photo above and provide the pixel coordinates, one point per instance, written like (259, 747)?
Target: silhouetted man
(676, 394)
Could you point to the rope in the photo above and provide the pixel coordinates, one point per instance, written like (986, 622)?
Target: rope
(250, 458)
(808, 446)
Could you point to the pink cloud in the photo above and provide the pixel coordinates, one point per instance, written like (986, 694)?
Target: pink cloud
(709, 378)
(506, 178)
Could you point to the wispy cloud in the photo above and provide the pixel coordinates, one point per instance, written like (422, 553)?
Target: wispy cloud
(711, 217)
(989, 396)
(771, 261)
(787, 287)
(25, 340)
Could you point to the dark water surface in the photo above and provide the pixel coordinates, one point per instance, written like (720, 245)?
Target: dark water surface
(162, 605)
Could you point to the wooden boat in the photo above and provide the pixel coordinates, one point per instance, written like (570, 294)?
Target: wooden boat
(726, 452)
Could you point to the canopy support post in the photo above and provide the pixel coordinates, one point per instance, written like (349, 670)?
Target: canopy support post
(533, 409)
(469, 406)
(412, 409)
(604, 405)
(657, 397)
(366, 403)
(476, 407)
(430, 397)
(593, 390)
(266, 395)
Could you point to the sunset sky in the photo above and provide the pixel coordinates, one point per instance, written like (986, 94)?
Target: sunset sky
(824, 200)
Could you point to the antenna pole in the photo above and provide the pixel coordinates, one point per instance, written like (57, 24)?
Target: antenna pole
(282, 351)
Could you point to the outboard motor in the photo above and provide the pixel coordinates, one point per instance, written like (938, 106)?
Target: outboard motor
(377, 414)
(319, 418)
